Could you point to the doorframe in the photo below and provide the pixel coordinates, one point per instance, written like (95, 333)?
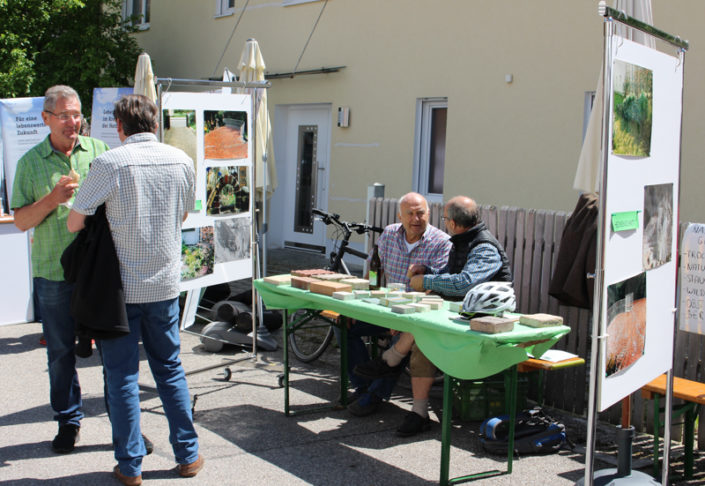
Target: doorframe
(282, 115)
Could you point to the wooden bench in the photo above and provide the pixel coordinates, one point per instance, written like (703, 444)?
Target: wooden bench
(693, 393)
(539, 366)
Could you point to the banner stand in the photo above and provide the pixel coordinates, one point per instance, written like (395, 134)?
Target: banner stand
(193, 295)
(623, 475)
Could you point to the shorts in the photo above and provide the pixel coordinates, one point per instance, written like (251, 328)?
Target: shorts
(419, 365)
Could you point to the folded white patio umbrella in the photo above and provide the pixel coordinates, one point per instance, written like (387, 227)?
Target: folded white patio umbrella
(144, 78)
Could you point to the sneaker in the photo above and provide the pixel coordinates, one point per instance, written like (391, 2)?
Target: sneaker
(127, 480)
(66, 439)
(376, 368)
(367, 404)
(413, 424)
(190, 470)
(148, 444)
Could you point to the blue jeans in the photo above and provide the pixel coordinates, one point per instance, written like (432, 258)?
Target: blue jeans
(54, 300)
(156, 323)
(357, 353)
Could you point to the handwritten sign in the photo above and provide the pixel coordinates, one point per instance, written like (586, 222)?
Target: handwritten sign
(624, 221)
(692, 280)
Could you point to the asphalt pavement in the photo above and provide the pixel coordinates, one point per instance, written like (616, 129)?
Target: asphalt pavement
(244, 435)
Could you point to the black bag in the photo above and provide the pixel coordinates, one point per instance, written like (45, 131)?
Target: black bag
(534, 433)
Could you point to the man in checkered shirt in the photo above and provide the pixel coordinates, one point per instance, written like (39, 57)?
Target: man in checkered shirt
(147, 188)
(411, 242)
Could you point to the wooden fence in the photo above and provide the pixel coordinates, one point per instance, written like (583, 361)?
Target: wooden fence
(531, 239)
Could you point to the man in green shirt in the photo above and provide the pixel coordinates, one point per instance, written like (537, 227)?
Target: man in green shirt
(46, 178)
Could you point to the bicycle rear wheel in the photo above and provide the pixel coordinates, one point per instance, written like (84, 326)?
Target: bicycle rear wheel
(310, 335)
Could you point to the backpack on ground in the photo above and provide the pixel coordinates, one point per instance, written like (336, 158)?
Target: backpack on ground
(534, 433)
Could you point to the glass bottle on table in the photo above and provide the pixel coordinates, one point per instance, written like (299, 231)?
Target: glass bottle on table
(376, 271)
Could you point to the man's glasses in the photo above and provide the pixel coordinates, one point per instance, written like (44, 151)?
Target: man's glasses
(64, 117)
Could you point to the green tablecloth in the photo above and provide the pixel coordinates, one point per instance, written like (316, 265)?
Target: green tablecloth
(452, 347)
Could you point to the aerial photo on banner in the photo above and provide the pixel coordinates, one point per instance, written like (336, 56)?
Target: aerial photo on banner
(633, 109)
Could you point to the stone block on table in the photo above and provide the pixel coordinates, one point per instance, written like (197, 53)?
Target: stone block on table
(343, 295)
(309, 272)
(302, 283)
(327, 288)
(402, 309)
(278, 279)
(540, 320)
(492, 324)
(357, 283)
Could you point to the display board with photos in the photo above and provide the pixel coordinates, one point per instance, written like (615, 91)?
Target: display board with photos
(214, 130)
(640, 233)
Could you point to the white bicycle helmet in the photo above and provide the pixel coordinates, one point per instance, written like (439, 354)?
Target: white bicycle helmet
(491, 298)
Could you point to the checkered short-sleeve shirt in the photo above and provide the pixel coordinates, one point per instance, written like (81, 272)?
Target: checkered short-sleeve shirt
(432, 251)
(147, 187)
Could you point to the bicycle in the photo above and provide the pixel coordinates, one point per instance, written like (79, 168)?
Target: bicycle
(312, 331)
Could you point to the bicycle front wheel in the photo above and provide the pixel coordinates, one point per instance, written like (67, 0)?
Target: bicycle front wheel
(310, 336)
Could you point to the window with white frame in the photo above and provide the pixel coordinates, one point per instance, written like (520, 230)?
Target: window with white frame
(224, 7)
(138, 10)
(430, 147)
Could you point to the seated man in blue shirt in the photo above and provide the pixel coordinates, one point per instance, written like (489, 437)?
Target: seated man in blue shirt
(476, 257)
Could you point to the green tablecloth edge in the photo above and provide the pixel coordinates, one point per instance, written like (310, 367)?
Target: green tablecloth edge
(452, 347)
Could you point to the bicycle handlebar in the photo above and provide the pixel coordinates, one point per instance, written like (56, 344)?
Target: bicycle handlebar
(333, 218)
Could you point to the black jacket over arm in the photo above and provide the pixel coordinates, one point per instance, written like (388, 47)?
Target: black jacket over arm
(91, 263)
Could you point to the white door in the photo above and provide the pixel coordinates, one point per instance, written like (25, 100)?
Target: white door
(303, 161)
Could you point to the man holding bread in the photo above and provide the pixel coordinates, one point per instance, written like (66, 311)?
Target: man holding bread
(46, 179)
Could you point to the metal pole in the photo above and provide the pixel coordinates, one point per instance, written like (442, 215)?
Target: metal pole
(676, 311)
(597, 333)
(254, 245)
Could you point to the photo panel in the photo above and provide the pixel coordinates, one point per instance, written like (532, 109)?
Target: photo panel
(227, 190)
(632, 109)
(225, 134)
(626, 324)
(197, 252)
(180, 132)
(232, 239)
(658, 225)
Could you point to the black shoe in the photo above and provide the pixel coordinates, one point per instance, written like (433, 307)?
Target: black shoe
(66, 439)
(413, 424)
(365, 405)
(376, 368)
(147, 444)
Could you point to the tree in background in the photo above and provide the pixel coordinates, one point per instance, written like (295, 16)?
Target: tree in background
(83, 43)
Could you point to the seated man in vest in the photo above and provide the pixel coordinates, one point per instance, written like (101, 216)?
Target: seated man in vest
(476, 257)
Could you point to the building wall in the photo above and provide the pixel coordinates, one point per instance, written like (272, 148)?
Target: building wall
(507, 144)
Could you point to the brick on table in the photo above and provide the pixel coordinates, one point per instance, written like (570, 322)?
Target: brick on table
(357, 283)
(309, 272)
(540, 320)
(331, 277)
(343, 295)
(327, 288)
(302, 283)
(360, 294)
(419, 307)
(402, 309)
(378, 294)
(284, 279)
(433, 304)
(492, 324)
